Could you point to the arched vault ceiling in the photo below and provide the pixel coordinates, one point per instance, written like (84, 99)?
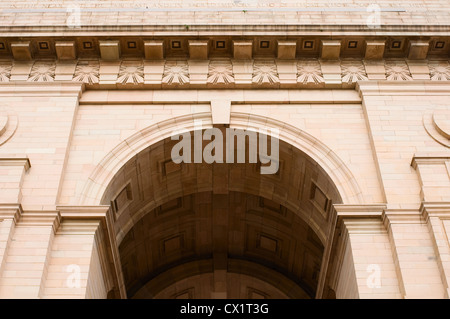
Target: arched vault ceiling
(151, 179)
(236, 233)
(167, 215)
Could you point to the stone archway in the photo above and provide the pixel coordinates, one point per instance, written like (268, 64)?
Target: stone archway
(190, 230)
(104, 172)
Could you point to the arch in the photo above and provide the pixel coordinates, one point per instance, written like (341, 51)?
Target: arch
(105, 171)
(280, 220)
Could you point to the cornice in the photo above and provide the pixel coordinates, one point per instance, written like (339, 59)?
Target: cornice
(361, 219)
(200, 42)
(11, 211)
(401, 216)
(83, 212)
(359, 211)
(197, 29)
(13, 161)
(429, 159)
(41, 218)
(435, 209)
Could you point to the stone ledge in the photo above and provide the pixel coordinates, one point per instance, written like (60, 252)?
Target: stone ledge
(401, 216)
(40, 218)
(11, 211)
(184, 96)
(83, 212)
(359, 211)
(405, 88)
(435, 209)
(56, 88)
(19, 161)
(429, 159)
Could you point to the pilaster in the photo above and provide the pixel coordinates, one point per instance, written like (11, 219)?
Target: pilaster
(26, 265)
(85, 261)
(9, 215)
(363, 250)
(437, 216)
(415, 259)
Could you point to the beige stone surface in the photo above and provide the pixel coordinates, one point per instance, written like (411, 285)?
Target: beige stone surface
(415, 12)
(359, 134)
(93, 206)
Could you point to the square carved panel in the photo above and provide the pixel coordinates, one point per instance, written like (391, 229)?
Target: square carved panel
(173, 244)
(320, 200)
(263, 242)
(123, 199)
(268, 243)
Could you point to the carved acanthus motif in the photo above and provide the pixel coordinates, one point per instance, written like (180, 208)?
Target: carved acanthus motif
(220, 72)
(397, 71)
(87, 72)
(265, 72)
(439, 71)
(42, 72)
(131, 73)
(176, 72)
(353, 71)
(309, 71)
(5, 72)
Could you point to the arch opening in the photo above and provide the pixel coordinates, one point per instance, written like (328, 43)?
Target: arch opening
(221, 230)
